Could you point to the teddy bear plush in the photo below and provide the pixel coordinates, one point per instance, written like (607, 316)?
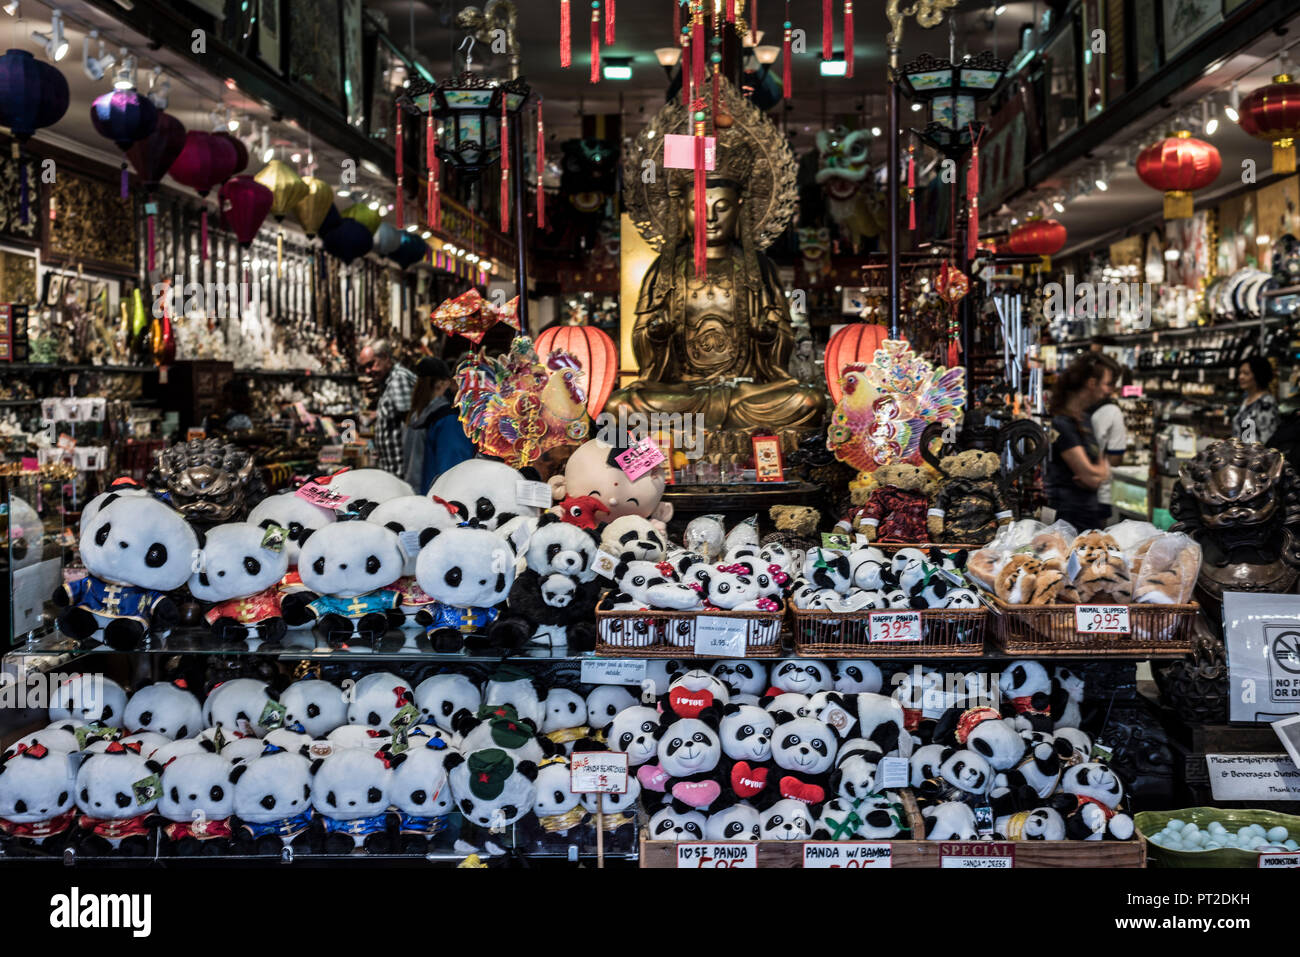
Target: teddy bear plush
(971, 504)
(796, 527)
(895, 510)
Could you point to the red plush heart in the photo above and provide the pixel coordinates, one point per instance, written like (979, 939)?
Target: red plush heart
(799, 791)
(697, 793)
(689, 704)
(747, 781)
(652, 777)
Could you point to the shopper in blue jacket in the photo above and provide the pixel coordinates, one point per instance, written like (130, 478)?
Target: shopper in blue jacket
(434, 440)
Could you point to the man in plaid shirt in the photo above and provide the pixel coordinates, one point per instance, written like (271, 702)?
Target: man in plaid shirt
(398, 383)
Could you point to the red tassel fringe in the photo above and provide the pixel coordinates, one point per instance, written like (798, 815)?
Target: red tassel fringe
(595, 44)
(701, 183)
(786, 82)
(911, 186)
(677, 21)
(433, 202)
(505, 168)
(541, 168)
(697, 57)
(828, 40)
(753, 23)
(973, 195)
(566, 35)
(848, 38)
(731, 11)
(609, 22)
(401, 196)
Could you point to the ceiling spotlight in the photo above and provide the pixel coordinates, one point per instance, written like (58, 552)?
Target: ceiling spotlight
(426, 234)
(834, 67)
(267, 151)
(344, 193)
(1172, 255)
(124, 79)
(232, 123)
(1234, 103)
(296, 157)
(373, 204)
(95, 66)
(412, 227)
(875, 131)
(1210, 117)
(1000, 9)
(1100, 181)
(1058, 206)
(54, 42)
(916, 107)
(11, 7)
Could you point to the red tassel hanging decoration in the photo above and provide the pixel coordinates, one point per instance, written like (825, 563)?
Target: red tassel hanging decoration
(401, 196)
(697, 50)
(677, 21)
(688, 88)
(753, 23)
(609, 22)
(433, 169)
(731, 11)
(911, 186)
(566, 35)
(505, 167)
(541, 167)
(786, 81)
(828, 40)
(848, 38)
(595, 41)
(701, 183)
(973, 197)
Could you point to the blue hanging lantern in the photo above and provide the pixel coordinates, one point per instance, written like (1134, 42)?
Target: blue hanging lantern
(123, 116)
(33, 95)
(387, 239)
(348, 241)
(332, 219)
(410, 250)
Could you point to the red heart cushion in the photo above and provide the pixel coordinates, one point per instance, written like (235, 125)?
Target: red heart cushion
(799, 791)
(747, 781)
(689, 704)
(697, 793)
(652, 777)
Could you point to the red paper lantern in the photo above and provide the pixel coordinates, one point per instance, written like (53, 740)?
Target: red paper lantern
(1043, 237)
(1272, 113)
(595, 352)
(1178, 165)
(856, 342)
(244, 205)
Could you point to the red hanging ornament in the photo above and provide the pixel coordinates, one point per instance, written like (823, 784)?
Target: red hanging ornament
(609, 22)
(697, 50)
(401, 196)
(505, 167)
(595, 41)
(714, 104)
(753, 23)
(786, 81)
(433, 168)
(911, 186)
(701, 183)
(677, 21)
(848, 38)
(1178, 165)
(973, 197)
(541, 166)
(566, 35)
(828, 39)
(731, 11)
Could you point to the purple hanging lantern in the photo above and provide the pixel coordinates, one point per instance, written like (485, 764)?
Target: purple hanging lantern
(123, 116)
(33, 95)
(152, 157)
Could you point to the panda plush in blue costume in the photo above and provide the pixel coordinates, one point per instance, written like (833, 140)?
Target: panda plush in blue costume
(348, 569)
(468, 572)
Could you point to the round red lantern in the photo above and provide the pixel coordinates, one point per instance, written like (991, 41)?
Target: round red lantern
(856, 342)
(1179, 165)
(244, 205)
(1272, 113)
(1042, 237)
(595, 352)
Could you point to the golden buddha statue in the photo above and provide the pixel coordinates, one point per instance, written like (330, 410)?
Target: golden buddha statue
(717, 345)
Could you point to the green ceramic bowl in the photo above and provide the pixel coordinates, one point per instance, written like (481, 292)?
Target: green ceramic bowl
(1153, 822)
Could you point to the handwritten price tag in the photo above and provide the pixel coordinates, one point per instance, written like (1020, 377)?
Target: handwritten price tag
(322, 496)
(701, 854)
(719, 637)
(598, 772)
(1101, 619)
(825, 855)
(639, 459)
(894, 626)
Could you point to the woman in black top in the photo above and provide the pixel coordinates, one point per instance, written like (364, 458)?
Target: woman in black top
(1257, 419)
(1077, 467)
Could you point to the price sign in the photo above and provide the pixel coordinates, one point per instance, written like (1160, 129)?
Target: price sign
(598, 772)
(701, 854)
(536, 494)
(1101, 619)
(613, 671)
(824, 855)
(322, 495)
(977, 854)
(639, 459)
(1131, 391)
(331, 455)
(1272, 859)
(894, 626)
(719, 637)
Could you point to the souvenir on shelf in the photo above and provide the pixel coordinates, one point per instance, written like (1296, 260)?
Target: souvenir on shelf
(471, 315)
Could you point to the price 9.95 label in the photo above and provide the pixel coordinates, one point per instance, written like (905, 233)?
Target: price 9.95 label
(1101, 619)
(894, 626)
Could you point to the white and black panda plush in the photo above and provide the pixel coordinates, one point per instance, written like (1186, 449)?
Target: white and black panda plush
(169, 709)
(734, 587)
(37, 793)
(788, 702)
(242, 707)
(742, 677)
(1039, 824)
(875, 817)
(441, 697)
(1068, 688)
(734, 822)
(950, 821)
(116, 793)
(468, 572)
(924, 763)
(746, 732)
(787, 820)
(136, 551)
(696, 688)
(690, 751)
(660, 673)
(605, 703)
(676, 822)
(295, 514)
(291, 739)
(856, 677)
(881, 720)
(381, 700)
(827, 568)
(557, 810)
(917, 690)
(634, 732)
(1040, 768)
(1027, 691)
(632, 538)
(174, 749)
(239, 579)
(984, 731)
(856, 764)
(804, 750)
(906, 559)
(350, 793)
(54, 737)
(897, 598)
(317, 706)
(517, 688)
(776, 553)
(143, 743)
(802, 676)
(642, 585)
(89, 698)
(347, 569)
(565, 720)
(1091, 800)
(357, 736)
(870, 569)
(1079, 741)
(554, 598)
(482, 490)
(500, 726)
(413, 518)
(272, 801)
(961, 598)
(963, 776)
(421, 795)
(365, 489)
(197, 800)
(420, 734)
(493, 791)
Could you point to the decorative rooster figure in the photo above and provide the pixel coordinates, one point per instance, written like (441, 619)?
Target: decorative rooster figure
(517, 406)
(888, 402)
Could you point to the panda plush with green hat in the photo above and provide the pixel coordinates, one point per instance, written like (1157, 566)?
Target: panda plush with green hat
(493, 792)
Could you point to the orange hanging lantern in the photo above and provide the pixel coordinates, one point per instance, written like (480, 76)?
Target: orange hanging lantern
(595, 352)
(856, 342)
(1272, 113)
(1179, 165)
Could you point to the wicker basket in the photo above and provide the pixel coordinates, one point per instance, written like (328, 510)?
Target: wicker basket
(671, 634)
(945, 633)
(1044, 630)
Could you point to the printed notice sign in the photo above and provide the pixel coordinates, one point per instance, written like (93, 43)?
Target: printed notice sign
(1253, 777)
(613, 671)
(977, 854)
(1262, 633)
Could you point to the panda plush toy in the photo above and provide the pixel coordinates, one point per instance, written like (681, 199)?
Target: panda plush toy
(37, 797)
(482, 490)
(566, 718)
(633, 538)
(493, 792)
(984, 731)
(364, 490)
(735, 821)
(517, 688)
(348, 569)
(633, 732)
(421, 796)
(676, 822)
(136, 551)
(468, 572)
(197, 801)
(382, 700)
(689, 754)
(242, 707)
(804, 751)
(746, 733)
(856, 677)
(747, 677)
(169, 709)
(317, 706)
(554, 598)
(616, 811)
(500, 726)
(604, 703)
(413, 518)
(1091, 801)
(856, 767)
(951, 821)
(963, 776)
(89, 699)
(788, 820)
(734, 587)
(240, 575)
(350, 794)
(442, 697)
(273, 809)
(1040, 824)
(116, 792)
(801, 676)
(53, 737)
(1026, 690)
(557, 811)
(297, 516)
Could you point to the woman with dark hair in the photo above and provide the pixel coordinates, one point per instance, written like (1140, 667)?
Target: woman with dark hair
(1077, 468)
(433, 440)
(1257, 419)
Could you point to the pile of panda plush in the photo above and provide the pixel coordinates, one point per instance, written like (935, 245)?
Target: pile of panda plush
(369, 765)
(864, 578)
(795, 754)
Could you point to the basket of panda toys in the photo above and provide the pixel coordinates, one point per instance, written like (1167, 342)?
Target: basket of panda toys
(867, 603)
(660, 633)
